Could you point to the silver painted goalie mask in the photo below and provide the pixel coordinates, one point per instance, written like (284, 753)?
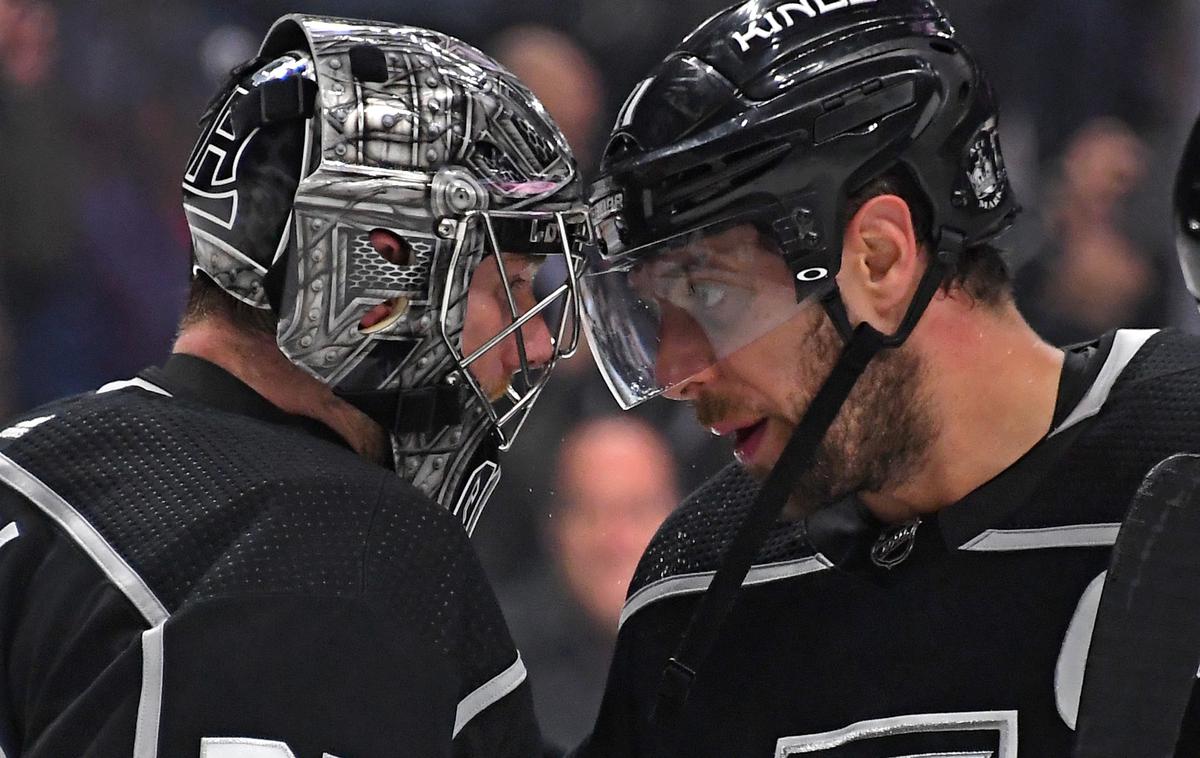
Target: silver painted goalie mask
(389, 193)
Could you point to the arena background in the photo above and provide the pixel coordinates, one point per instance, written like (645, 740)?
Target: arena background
(98, 104)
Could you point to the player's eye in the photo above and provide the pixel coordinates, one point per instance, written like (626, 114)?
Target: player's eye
(707, 295)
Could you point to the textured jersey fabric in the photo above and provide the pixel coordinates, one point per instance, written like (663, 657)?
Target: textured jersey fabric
(186, 573)
(972, 646)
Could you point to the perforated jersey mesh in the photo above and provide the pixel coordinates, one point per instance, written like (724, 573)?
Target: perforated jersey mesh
(695, 536)
(203, 503)
(1150, 414)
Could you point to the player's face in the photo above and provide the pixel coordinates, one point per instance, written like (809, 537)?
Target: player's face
(756, 395)
(489, 313)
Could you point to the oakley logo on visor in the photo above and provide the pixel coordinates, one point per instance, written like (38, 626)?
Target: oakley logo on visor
(781, 17)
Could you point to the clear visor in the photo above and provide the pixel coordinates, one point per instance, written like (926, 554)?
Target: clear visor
(658, 315)
(522, 307)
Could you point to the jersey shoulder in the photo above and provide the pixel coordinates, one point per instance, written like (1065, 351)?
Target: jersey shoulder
(202, 502)
(694, 537)
(1141, 407)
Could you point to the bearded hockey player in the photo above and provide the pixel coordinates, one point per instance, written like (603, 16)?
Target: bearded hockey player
(236, 554)
(796, 213)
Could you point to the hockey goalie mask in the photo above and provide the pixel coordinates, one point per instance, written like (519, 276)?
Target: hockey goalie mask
(391, 193)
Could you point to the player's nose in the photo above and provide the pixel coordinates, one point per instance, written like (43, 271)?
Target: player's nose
(685, 357)
(536, 340)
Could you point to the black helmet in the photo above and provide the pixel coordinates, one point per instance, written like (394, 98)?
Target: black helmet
(775, 114)
(1187, 213)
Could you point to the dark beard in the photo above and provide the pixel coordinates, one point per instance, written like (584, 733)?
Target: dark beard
(880, 436)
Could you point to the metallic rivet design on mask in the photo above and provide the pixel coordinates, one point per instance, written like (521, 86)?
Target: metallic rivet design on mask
(380, 155)
(335, 64)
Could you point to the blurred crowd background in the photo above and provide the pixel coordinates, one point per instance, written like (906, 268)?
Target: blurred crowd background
(98, 105)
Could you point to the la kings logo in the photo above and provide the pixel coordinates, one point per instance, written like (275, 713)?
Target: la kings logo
(785, 16)
(212, 171)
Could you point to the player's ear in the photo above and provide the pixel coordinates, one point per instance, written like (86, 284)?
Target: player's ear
(880, 262)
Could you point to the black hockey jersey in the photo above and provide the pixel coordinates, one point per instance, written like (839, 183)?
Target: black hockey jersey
(974, 645)
(187, 571)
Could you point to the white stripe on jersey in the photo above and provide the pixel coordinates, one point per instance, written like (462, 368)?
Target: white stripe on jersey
(145, 739)
(692, 584)
(85, 535)
(488, 694)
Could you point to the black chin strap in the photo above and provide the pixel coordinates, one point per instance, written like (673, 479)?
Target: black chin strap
(863, 343)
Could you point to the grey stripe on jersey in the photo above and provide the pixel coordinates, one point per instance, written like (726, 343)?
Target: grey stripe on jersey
(1126, 344)
(1075, 535)
(85, 535)
(145, 740)
(691, 584)
(489, 693)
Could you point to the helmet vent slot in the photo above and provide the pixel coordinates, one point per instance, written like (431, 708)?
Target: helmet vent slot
(700, 184)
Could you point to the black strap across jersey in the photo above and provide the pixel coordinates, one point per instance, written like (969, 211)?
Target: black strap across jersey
(863, 343)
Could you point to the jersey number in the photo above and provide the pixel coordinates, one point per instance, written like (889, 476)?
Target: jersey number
(246, 747)
(983, 734)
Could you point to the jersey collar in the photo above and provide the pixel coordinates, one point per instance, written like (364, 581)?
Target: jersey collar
(845, 532)
(191, 378)
(1089, 373)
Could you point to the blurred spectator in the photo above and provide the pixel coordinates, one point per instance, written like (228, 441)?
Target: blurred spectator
(28, 42)
(37, 176)
(615, 485)
(1092, 276)
(563, 77)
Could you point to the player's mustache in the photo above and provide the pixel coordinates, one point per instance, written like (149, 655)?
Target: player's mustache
(711, 408)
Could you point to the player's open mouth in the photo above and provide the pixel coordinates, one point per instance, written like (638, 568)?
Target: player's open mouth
(382, 316)
(748, 439)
